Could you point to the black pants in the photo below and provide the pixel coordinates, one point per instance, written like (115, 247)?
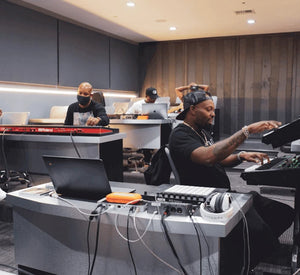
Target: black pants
(267, 219)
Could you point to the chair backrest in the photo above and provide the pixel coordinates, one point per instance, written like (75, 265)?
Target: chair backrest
(58, 111)
(14, 118)
(174, 170)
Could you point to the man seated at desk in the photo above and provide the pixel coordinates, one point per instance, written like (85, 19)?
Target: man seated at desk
(86, 111)
(200, 161)
(181, 91)
(151, 96)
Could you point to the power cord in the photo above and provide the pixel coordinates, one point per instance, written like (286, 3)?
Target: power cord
(97, 241)
(164, 215)
(198, 239)
(128, 243)
(74, 144)
(146, 246)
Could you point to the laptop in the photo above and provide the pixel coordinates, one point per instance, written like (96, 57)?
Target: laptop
(156, 110)
(80, 178)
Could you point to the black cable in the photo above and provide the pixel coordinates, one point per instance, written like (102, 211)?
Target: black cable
(97, 240)
(128, 242)
(74, 145)
(170, 241)
(199, 242)
(91, 217)
(208, 251)
(3, 155)
(88, 245)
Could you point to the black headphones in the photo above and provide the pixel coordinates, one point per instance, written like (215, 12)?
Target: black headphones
(218, 202)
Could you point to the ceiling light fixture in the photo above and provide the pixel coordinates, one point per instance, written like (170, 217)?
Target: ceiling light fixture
(172, 28)
(130, 4)
(251, 21)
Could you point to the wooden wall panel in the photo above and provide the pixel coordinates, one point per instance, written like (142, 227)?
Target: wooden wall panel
(255, 77)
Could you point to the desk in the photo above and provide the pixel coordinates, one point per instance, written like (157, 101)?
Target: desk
(50, 235)
(146, 134)
(24, 151)
(47, 121)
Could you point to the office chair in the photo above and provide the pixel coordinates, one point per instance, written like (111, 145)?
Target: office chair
(174, 170)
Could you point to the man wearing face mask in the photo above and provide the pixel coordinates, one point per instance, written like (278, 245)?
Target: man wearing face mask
(86, 111)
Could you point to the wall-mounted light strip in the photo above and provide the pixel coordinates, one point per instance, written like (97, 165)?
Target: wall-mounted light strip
(59, 91)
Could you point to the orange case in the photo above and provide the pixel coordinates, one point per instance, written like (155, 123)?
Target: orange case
(122, 197)
(142, 117)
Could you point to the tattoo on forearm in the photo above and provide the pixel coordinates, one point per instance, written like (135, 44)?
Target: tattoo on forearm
(227, 146)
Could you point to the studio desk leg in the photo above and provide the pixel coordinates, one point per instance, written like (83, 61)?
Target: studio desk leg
(295, 249)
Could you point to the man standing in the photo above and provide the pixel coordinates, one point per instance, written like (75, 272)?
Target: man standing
(201, 162)
(86, 111)
(151, 96)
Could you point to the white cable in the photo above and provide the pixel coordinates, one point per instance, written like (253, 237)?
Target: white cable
(85, 215)
(147, 247)
(120, 234)
(297, 271)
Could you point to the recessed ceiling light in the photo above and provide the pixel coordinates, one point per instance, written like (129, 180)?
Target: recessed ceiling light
(251, 21)
(130, 4)
(172, 28)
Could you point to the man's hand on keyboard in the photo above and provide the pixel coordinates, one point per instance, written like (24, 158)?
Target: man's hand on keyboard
(255, 157)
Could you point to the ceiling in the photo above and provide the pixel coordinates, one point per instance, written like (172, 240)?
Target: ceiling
(150, 20)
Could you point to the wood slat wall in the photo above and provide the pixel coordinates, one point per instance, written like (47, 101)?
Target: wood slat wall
(254, 77)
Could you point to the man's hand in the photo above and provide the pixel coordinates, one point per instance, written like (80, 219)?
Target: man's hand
(92, 121)
(255, 157)
(261, 126)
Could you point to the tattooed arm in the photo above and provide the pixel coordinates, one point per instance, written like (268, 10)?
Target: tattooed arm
(222, 150)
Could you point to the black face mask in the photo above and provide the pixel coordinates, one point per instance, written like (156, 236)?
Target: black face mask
(83, 100)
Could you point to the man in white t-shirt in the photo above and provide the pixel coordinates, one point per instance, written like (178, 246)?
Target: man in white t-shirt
(151, 96)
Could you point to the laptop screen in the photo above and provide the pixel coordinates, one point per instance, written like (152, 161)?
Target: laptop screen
(157, 110)
(78, 178)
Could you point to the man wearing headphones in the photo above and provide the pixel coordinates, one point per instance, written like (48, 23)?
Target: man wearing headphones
(200, 161)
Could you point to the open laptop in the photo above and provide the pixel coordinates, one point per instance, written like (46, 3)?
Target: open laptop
(161, 109)
(80, 178)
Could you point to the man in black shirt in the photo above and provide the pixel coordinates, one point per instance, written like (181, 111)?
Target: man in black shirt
(200, 161)
(86, 111)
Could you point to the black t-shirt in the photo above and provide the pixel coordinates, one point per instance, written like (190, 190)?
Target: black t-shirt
(81, 114)
(182, 142)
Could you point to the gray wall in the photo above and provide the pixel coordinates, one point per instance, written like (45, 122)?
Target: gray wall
(36, 48)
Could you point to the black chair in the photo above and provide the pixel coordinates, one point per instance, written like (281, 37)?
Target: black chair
(174, 170)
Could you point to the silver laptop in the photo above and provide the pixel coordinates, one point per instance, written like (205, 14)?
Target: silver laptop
(156, 110)
(80, 178)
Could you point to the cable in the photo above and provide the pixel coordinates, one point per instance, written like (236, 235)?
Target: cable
(245, 239)
(199, 242)
(74, 145)
(164, 215)
(88, 245)
(208, 252)
(97, 240)
(3, 155)
(9, 266)
(147, 247)
(128, 243)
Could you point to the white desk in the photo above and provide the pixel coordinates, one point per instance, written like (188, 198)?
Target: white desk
(147, 134)
(47, 121)
(24, 151)
(50, 235)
